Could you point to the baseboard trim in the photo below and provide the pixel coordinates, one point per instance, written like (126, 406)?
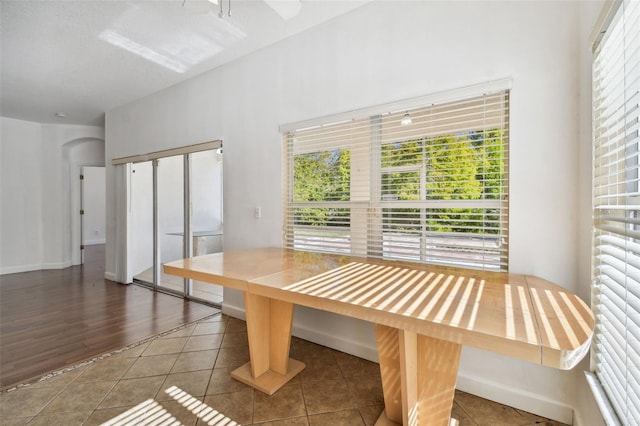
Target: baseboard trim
(233, 311)
(20, 268)
(34, 267)
(95, 242)
(358, 349)
(480, 386)
(110, 276)
(515, 397)
(56, 265)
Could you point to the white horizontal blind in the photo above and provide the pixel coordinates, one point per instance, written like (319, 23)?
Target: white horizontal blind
(433, 190)
(616, 199)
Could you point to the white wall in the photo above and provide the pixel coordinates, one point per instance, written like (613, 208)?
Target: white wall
(382, 52)
(40, 188)
(94, 205)
(20, 198)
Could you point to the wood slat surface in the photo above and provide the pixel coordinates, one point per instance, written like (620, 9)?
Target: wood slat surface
(53, 318)
(517, 315)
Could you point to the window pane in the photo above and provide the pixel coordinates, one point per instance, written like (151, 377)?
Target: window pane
(321, 229)
(408, 153)
(322, 176)
(401, 186)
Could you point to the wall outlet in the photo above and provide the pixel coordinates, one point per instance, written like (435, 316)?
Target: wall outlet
(257, 212)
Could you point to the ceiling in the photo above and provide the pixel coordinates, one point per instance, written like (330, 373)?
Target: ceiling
(82, 58)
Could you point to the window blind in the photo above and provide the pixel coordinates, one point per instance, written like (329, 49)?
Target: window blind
(427, 184)
(616, 211)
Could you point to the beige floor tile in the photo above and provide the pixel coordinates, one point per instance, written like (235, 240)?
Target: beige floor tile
(232, 340)
(78, 397)
(210, 328)
(184, 332)
(237, 406)
(370, 414)
(353, 366)
(293, 421)
(66, 419)
(366, 390)
(203, 343)
(332, 395)
(145, 413)
(232, 357)
(545, 423)
(18, 421)
(235, 325)
(132, 391)
(103, 415)
(286, 402)
(193, 382)
(165, 346)
(337, 418)
(319, 369)
(306, 349)
(180, 412)
(222, 382)
(156, 365)
(62, 379)
(488, 413)
(193, 361)
(216, 318)
(461, 416)
(107, 369)
(26, 402)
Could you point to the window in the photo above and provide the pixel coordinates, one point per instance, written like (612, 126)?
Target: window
(432, 190)
(616, 212)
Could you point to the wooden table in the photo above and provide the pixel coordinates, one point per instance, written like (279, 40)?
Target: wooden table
(424, 314)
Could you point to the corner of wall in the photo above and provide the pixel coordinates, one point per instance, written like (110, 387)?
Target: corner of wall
(586, 410)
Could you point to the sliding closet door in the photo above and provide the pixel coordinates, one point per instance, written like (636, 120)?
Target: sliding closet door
(170, 205)
(141, 193)
(206, 215)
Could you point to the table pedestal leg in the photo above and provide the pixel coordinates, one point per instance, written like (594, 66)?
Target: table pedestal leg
(269, 324)
(418, 377)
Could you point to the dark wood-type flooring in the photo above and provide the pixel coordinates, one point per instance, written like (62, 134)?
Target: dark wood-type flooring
(54, 318)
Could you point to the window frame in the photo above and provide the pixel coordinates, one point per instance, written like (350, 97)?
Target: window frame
(375, 204)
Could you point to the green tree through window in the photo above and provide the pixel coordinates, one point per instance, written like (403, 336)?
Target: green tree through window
(320, 177)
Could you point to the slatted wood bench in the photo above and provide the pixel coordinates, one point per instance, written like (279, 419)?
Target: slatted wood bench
(424, 314)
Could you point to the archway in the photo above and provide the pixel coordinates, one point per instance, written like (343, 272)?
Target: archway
(77, 153)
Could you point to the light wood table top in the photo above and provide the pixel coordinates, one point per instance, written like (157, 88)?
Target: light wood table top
(521, 316)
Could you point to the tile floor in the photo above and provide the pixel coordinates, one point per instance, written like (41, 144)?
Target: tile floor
(190, 367)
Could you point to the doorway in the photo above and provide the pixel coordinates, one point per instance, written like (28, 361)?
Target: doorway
(176, 212)
(92, 208)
